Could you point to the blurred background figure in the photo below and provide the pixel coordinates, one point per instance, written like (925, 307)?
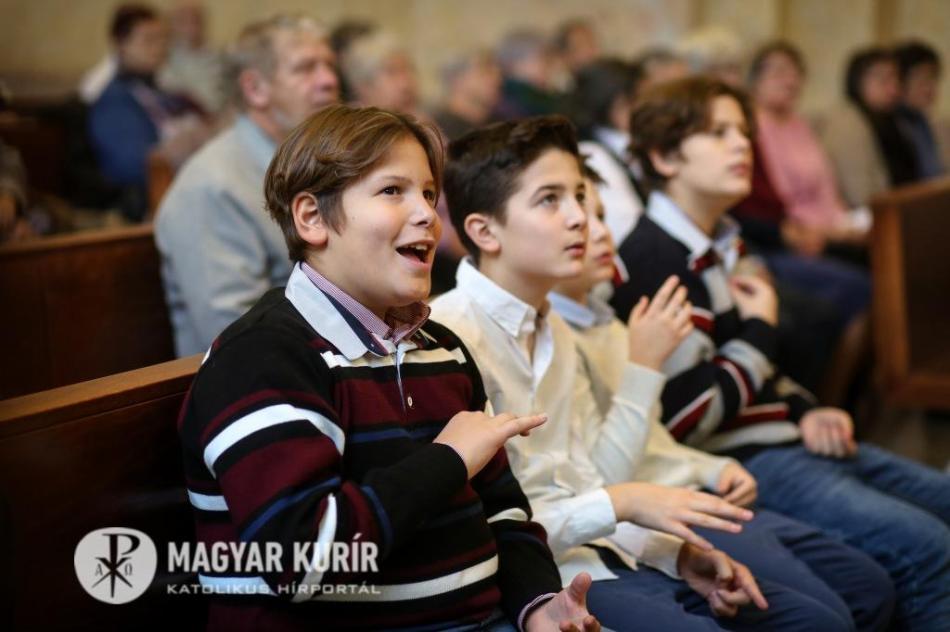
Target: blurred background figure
(133, 116)
(381, 73)
(575, 46)
(715, 51)
(192, 68)
(868, 150)
(659, 64)
(14, 225)
(527, 66)
(603, 100)
(919, 68)
(344, 35)
(472, 86)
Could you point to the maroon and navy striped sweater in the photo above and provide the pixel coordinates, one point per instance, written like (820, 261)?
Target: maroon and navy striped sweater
(295, 432)
(724, 393)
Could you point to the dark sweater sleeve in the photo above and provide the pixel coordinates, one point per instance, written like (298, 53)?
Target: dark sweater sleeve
(261, 416)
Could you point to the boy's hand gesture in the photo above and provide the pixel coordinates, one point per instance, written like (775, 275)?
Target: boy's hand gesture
(754, 298)
(828, 432)
(672, 509)
(566, 612)
(736, 485)
(725, 583)
(477, 437)
(655, 328)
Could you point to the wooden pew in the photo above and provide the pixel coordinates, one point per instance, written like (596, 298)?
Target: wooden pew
(161, 172)
(911, 299)
(103, 453)
(80, 307)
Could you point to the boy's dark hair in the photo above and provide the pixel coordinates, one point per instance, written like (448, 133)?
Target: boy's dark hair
(858, 65)
(332, 150)
(767, 50)
(669, 112)
(127, 17)
(915, 53)
(485, 166)
(598, 86)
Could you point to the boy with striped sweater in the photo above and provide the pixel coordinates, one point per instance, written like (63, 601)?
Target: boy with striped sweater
(334, 413)
(724, 392)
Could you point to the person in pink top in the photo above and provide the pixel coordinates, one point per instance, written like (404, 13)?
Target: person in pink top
(794, 160)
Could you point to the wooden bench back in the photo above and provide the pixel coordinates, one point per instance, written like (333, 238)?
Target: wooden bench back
(104, 453)
(911, 304)
(79, 307)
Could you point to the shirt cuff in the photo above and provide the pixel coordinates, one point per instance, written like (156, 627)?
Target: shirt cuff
(536, 603)
(661, 551)
(641, 385)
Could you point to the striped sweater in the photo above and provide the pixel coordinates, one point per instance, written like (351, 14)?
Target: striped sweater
(295, 432)
(724, 393)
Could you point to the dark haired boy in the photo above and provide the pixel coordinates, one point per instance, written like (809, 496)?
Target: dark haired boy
(724, 392)
(516, 196)
(334, 414)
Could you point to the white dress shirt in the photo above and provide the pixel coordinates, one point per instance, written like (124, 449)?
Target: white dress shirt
(555, 464)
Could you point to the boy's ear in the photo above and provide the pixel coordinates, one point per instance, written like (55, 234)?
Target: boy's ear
(310, 224)
(666, 164)
(480, 229)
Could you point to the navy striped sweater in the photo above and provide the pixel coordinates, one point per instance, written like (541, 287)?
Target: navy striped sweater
(724, 393)
(295, 437)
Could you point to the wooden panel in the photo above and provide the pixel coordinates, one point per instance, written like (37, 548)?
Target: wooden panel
(80, 307)
(100, 454)
(912, 294)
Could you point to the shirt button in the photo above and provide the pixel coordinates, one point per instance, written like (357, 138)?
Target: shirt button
(409, 401)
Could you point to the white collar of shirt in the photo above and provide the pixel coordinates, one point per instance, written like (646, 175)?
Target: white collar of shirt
(616, 141)
(513, 315)
(672, 219)
(321, 314)
(596, 312)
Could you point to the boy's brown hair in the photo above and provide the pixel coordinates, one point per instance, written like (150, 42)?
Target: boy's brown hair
(332, 150)
(669, 112)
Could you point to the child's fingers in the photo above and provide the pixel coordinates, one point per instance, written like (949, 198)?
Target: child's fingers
(521, 425)
(662, 296)
(639, 309)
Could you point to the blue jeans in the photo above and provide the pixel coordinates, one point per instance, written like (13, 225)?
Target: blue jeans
(646, 600)
(792, 553)
(894, 509)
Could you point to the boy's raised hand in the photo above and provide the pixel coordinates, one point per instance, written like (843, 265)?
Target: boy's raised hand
(655, 328)
(674, 509)
(828, 432)
(755, 298)
(477, 437)
(566, 612)
(725, 583)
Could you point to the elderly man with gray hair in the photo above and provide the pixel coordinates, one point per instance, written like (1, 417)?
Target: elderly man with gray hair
(220, 250)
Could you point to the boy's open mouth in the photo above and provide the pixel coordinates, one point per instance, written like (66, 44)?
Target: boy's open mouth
(419, 252)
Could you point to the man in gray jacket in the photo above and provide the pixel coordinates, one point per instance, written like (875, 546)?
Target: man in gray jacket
(220, 250)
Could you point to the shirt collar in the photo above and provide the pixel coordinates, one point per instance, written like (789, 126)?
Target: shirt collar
(333, 314)
(513, 315)
(596, 312)
(672, 219)
(616, 141)
(260, 146)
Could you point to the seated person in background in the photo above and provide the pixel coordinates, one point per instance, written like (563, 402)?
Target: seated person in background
(472, 85)
(724, 392)
(220, 252)
(919, 69)
(381, 73)
(303, 450)
(192, 67)
(867, 148)
(774, 547)
(14, 225)
(516, 195)
(715, 51)
(658, 64)
(133, 116)
(527, 67)
(576, 46)
(603, 99)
